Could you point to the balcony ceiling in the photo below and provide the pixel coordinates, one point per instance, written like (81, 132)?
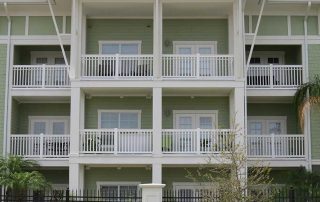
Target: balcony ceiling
(145, 10)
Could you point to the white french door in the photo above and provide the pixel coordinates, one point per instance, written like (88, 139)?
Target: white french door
(187, 66)
(49, 126)
(272, 126)
(187, 121)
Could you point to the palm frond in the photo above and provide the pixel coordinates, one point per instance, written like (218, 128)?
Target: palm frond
(306, 96)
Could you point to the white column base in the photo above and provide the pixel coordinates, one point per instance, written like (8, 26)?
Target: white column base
(76, 177)
(152, 192)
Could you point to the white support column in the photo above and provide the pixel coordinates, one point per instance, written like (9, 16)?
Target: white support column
(76, 177)
(238, 38)
(157, 121)
(156, 173)
(157, 38)
(76, 40)
(76, 120)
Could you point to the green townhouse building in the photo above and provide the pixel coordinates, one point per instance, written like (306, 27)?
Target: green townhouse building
(105, 93)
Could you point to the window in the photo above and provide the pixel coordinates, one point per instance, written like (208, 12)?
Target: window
(191, 189)
(128, 119)
(264, 125)
(118, 189)
(267, 57)
(48, 57)
(120, 47)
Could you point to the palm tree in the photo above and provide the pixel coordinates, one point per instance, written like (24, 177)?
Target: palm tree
(17, 175)
(307, 96)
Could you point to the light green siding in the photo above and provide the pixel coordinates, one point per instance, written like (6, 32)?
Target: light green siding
(275, 109)
(173, 30)
(43, 25)
(3, 25)
(145, 105)
(14, 117)
(196, 30)
(18, 25)
(38, 109)
(68, 24)
(297, 25)
(271, 25)
(3, 62)
(314, 69)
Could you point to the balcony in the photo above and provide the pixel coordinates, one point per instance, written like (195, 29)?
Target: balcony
(116, 141)
(128, 67)
(40, 76)
(276, 146)
(196, 141)
(117, 66)
(40, 146)
(275, 76)
(202, 67)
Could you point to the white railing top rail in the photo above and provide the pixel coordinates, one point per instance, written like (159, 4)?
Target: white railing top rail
(113, 129)
(201, 55)
(213, 130)
(38, 135)
(44, 65)
(273, 65)
(114, 55)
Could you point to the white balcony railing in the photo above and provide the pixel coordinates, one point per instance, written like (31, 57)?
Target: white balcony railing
(117, 66)
(40, 146)
(138, 141)
(198, 66)
(276, 146)
(40, 76)
(275, 76)
(196, 141)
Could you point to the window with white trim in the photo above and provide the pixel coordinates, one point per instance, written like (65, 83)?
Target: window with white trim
(118, 189)
(48, 57)
(190, 189)
(267, 57)
(120, 47)
(265, 125)
(127, 119)
(51, 125)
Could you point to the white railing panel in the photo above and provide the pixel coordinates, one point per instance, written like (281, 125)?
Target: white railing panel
(276, 146)
(117, 66)
(196, 141)
(198, 66)
(40, 76)
(40, 146)
(275, 76)
(116, 141)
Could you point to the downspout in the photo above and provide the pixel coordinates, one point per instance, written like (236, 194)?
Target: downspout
(247, 67)
(6, 111)
(306, 77)
(59, 37)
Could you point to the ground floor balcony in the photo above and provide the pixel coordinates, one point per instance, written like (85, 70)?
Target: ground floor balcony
(40, 146)
(276, 146)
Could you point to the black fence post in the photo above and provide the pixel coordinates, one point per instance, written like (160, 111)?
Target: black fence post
(67, 194)
(291, 195)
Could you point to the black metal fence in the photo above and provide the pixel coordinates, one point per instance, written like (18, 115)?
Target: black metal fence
(278, 195)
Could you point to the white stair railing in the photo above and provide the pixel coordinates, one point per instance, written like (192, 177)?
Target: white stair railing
(275, 76)
(197, 141)
(198, 66)
(40, 76)
(116, 141)
(117, 66)
(40, 146)
(276, 146)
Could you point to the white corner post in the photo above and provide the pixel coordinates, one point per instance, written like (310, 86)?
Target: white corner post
(76, 120)
(151, 192)
(76, 28)
(237, 106)
(157, 38)
(238, 39)
(157, 120)
(76, 177)
(156, 173)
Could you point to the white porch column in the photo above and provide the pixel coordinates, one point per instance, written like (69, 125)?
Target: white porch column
(76, 177)
(238, 39)
(157, 120)
(76, 119)
(76, 24)
(157, 38)
(157, 173)
(152, 192)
